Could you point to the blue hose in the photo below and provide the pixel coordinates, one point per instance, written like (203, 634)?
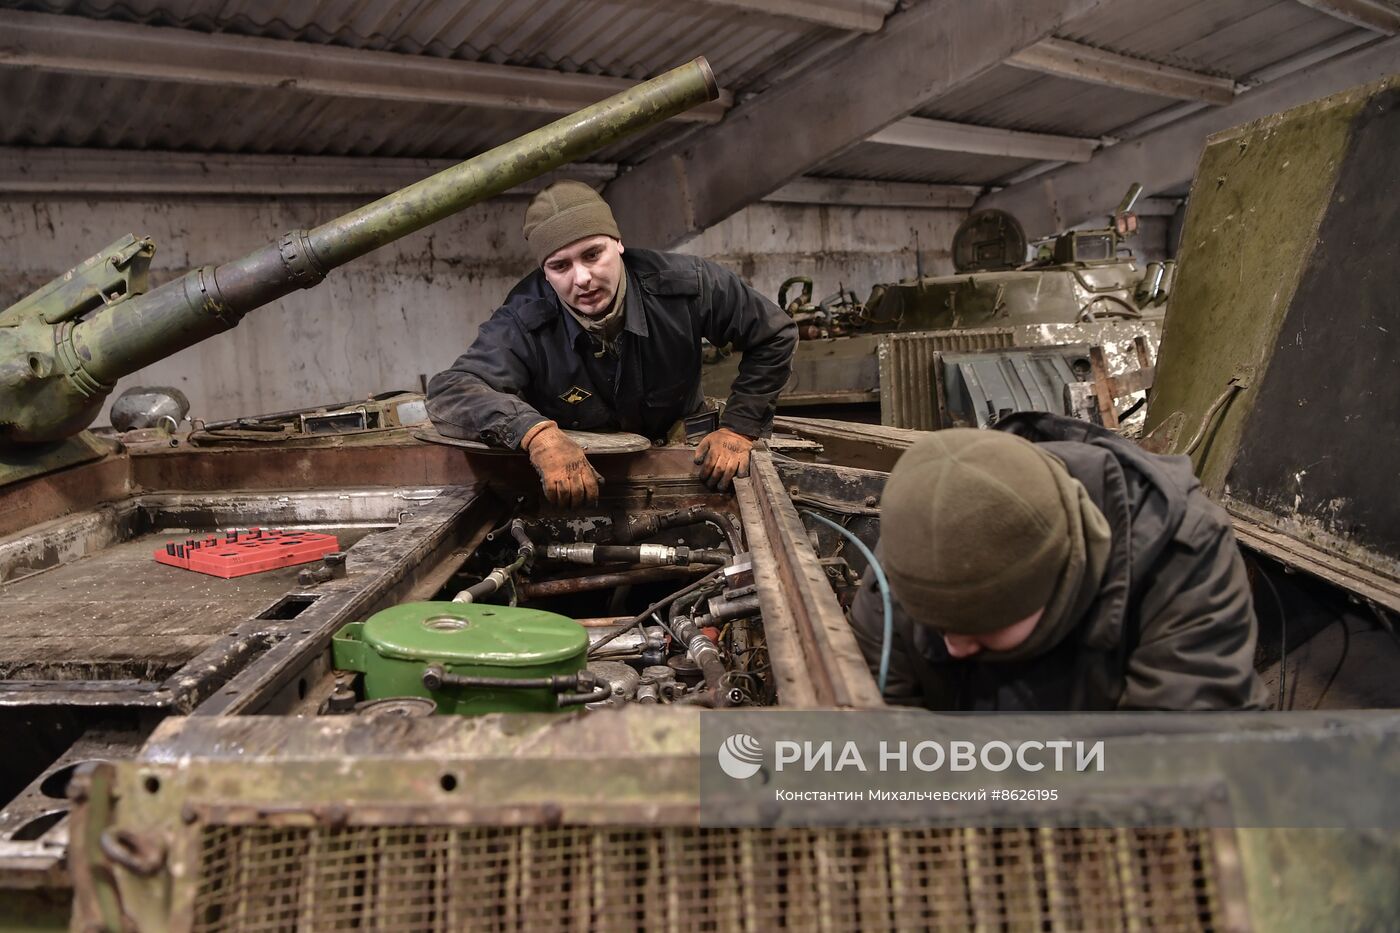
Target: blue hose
(884, 592)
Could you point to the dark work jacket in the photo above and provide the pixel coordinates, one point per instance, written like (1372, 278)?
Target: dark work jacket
(532, 361)
(1173, 625)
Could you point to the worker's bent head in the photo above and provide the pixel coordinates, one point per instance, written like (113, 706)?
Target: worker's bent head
(575, 239)
(981, 532)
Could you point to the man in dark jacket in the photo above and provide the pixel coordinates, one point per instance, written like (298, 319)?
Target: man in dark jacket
(1049, 564)
(598, 341)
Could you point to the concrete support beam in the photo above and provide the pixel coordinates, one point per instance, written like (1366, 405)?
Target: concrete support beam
(874, 194)
(849, 15)
(1086, 63)
(1375, 15)
(119, 171)
(99, 172)
(921, 133)
(1167, 157)
(921, 53)
(107, 49)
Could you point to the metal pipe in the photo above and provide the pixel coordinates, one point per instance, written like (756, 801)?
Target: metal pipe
(648, 524)
(498, 578)
(702, 651)
(646, 554)
(435, 677)
(654, 607)
(603, 581)
(723, 609)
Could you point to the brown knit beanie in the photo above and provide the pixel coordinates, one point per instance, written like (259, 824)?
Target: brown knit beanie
(974, 531)
(563, 213)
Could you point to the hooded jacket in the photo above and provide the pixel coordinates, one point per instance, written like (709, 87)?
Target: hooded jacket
(531, 361)
(1172, 627)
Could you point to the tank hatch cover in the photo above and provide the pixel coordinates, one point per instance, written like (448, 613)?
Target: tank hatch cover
(989, 240)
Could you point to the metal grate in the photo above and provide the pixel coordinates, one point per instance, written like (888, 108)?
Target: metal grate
(504, 878)
(908, 395)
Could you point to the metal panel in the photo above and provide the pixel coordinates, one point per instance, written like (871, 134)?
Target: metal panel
(547, 836)
(907, 393)
(978, 389)
(1287, 391)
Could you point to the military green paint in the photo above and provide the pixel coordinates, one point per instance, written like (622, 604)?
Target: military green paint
(1054, 295)
(35, 911)
(1252, 221)
(504, 167)
(393, 646)
(1321, 450)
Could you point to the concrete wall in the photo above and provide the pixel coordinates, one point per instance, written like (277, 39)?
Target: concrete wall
(409, 309)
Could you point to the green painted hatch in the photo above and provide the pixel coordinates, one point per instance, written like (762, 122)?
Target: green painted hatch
(392, 648)
(474, 635)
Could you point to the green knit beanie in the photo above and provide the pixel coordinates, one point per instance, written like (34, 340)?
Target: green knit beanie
(563, 213)
(974, 531)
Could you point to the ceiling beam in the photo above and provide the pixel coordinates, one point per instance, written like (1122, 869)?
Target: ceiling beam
(1167, 157)
(103, 172)
(107, 49)
(850, 193)
(848, 15)
(1375, 15)
(922, 52)
(920, 133)
(98, 172)
(1081, 62)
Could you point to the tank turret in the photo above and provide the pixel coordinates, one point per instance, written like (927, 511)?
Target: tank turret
(63, 348)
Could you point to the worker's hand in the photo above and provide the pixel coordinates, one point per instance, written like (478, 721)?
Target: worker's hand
(723, 455)
(569, 480)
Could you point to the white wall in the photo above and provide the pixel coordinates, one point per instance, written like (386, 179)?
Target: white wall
(412, 307)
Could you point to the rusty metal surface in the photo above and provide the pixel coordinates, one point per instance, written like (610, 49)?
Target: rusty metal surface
(378, 573)
(847, 443)
(907, 386)
(606, 581)
(910, 374)
(795, 683)
(247, 821)
(1292, 552)
(32, 502)
(831, 657)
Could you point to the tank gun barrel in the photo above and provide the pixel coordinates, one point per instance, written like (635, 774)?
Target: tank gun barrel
(63, 348)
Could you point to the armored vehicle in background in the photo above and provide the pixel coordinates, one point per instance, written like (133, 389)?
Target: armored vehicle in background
(482, 712)
(1009, 331)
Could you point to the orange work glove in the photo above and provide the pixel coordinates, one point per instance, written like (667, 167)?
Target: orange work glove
(569, 480)
(723, 455)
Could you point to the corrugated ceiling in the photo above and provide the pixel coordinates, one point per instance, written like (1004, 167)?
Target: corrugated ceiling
(619, 38)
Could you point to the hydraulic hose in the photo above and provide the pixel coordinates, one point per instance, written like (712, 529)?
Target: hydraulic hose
(435, 678)
(698, 645)
(887, 638)
(646, 525)
(498, 578)
(654, 607)
(651, 555)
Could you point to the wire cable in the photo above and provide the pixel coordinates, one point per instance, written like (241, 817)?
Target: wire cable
(1341, 660)
(888, 637)
(1282, 636)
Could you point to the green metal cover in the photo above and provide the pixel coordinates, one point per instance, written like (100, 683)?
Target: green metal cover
(474, 635)
(1279, 355)
(393, 646)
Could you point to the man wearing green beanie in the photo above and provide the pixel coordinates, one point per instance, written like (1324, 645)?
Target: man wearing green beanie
(1049, 564)
(602, 338)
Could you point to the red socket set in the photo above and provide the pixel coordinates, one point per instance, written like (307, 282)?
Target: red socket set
(239, 553)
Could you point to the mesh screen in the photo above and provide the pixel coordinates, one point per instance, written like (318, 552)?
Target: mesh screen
(256, 878)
